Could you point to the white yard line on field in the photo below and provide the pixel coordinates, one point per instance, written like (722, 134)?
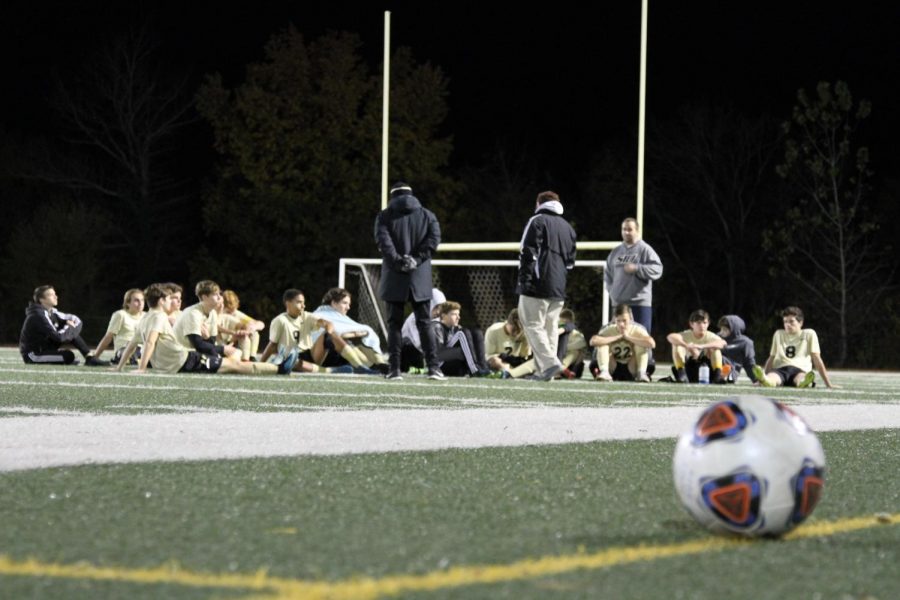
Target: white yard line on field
(47, 441)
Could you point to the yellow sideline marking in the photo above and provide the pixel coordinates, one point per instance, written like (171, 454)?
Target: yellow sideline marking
(367, 588)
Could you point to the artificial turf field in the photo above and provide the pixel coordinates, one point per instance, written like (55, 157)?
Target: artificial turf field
(583, 519)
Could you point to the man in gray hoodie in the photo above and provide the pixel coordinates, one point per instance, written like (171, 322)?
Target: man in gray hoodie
(631, 269)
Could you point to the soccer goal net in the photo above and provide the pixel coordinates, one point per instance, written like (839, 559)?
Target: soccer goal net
(486, 289)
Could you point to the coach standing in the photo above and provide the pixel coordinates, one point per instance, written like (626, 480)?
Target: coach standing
(407, 234)
(631, 269)
(547, 255)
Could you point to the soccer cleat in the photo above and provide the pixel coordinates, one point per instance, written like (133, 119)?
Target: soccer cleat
(761, 376)
(382, 368)
(603, 376)
(394, 375)
(809, 380)
(566, 374)
(642, 378)
(436, 374)
(715, 376)
(680, 375)
(290, 359)
(93, 361)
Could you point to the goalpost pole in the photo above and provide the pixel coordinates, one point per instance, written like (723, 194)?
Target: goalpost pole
(642, 109)
(385, 103)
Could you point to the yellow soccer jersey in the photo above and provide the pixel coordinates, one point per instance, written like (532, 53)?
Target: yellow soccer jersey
(231, 322)
(287, 332)
(168, 355)
(576, 341)
(190, 321)
(123, 325)
(497, 342)
(622, 350)
(708, 337)
(794, 350)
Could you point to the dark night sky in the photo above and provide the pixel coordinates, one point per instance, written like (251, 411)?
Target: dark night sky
(564, 80)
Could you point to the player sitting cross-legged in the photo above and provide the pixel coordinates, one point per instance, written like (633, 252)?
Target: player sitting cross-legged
(623, 349)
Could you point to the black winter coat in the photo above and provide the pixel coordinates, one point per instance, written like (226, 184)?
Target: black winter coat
(406, 227)
(44, 331)
(547, 255)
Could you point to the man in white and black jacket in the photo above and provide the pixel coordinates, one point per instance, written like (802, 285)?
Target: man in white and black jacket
(46, 329)
(546, 256)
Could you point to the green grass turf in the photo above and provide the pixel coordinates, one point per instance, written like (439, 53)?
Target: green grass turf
(418, 512)
(98, 390)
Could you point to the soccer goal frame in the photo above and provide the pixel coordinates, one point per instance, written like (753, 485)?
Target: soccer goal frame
(368, 287)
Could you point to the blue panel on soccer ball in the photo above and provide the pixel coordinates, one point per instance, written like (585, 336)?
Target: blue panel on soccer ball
(807, 486)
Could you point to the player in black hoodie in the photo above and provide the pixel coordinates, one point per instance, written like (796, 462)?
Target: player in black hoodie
(46, 329)
(740, 350)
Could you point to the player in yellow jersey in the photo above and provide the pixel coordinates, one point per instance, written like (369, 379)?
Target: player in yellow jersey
(237, 327)
(506, 348)
(623, 349)
(174, 310)
(166, 354)
(794, 353)
(122, 325)
(695, 346)
(293, 329)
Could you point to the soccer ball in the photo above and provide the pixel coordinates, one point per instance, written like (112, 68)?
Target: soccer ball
(749, 465)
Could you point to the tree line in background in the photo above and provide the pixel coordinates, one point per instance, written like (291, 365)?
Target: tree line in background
(749, 213)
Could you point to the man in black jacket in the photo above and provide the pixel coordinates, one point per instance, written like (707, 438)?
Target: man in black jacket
(46, 329)
(547, 255)
(407, 235)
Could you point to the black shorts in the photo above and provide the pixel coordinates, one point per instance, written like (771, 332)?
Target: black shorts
(201, 363)
(787, 375)
(307, 356)
(621, 373)
(135, 357)
(513, 361)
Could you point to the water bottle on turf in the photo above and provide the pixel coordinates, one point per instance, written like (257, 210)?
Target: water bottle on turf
(703, 374)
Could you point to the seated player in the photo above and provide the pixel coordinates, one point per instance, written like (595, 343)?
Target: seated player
(175, 306)
(794, 353)
(460, 350)
(166, 354)
(623, 349)
(695, 346)
(122, 325)
(506, 348)
(341, 340)
(293, 329)
(571, 346)
(197, 328)
(411, 355)
(740, 353)
(236, 327)
(46, 329)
